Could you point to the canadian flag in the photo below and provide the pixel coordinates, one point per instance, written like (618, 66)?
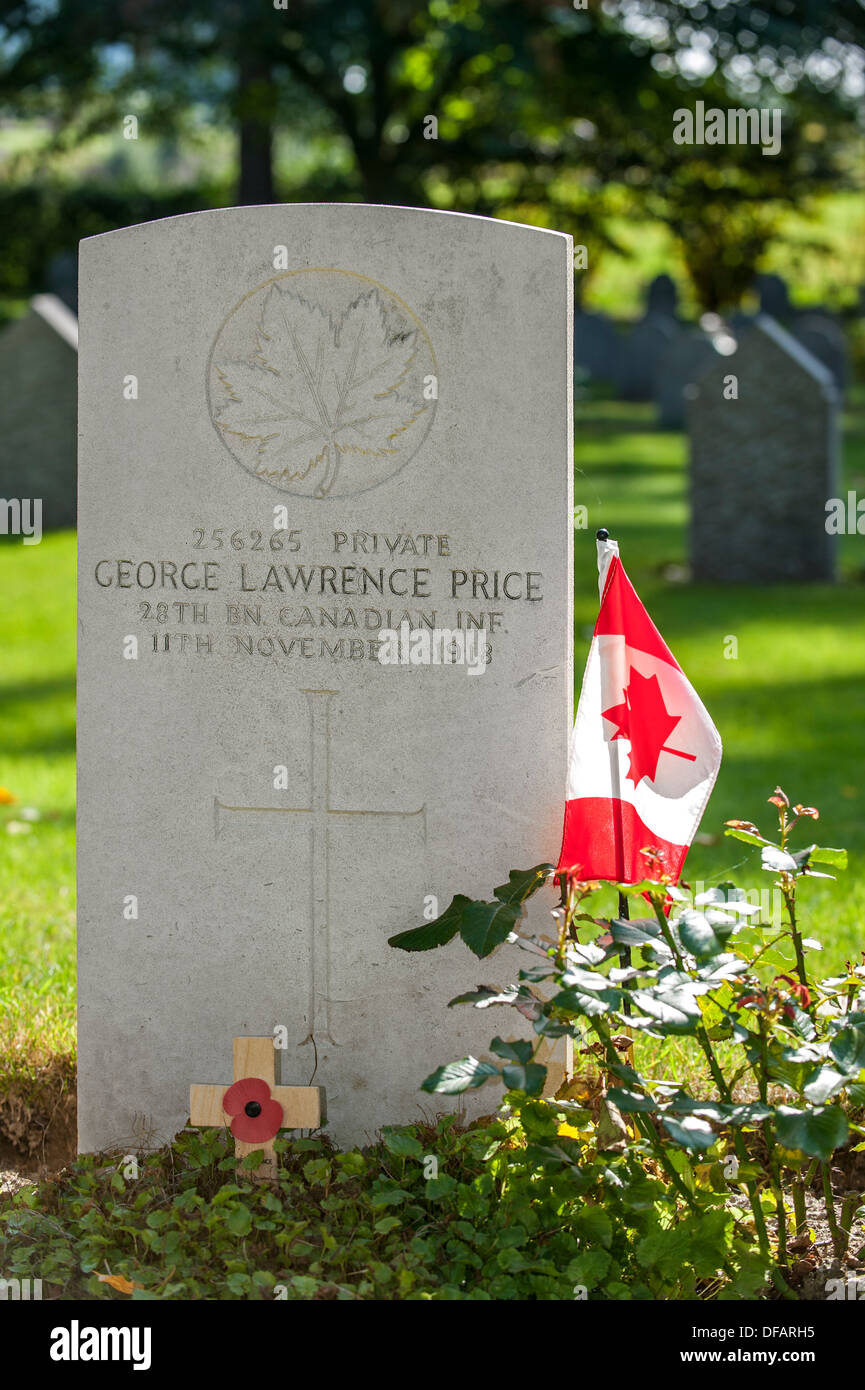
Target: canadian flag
(644, 753)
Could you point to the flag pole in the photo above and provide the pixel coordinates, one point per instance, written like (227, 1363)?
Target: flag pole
(624, 913)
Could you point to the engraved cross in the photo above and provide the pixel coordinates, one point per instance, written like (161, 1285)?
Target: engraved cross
(321, 814)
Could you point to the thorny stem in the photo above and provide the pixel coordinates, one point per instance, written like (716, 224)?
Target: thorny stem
(788, 891)
(723, 1090)
(839, 1243)
(801, 1215)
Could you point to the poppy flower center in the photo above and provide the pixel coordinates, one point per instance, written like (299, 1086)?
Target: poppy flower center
(252, 1108)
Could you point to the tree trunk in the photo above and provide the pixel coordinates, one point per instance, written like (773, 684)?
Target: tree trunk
(255, 109)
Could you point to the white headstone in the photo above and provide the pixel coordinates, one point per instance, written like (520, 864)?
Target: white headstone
(262, 803)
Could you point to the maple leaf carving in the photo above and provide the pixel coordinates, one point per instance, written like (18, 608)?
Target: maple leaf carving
(318, 387)
(646, 723)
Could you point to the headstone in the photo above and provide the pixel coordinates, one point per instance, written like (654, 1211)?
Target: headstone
(276, 465)
(62, 278)
(823, 338)
(663, 296)
(689, 355)
(598, 347)
(763, 465)
(38, 431)
(774, 296)
(643, 349)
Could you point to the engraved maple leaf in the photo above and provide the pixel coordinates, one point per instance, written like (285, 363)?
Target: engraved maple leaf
(318, 387)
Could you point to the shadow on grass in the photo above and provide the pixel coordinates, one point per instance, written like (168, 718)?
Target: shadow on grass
(38, 717)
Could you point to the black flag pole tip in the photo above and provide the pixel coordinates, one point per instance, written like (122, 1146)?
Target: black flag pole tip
(603, 534)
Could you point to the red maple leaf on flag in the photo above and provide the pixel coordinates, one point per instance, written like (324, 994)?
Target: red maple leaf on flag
(646, 723)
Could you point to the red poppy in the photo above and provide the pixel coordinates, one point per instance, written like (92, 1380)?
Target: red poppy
(257, 1116)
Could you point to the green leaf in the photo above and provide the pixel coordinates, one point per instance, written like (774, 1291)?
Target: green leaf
(823, 1082)
(675, 1009)
(439, 1187)
(387, 1223)
(485, 926)
(403, 1145)
(484, 996)
(838, 857)
(691, 1132)
(748, 1114)
(579, 1001)
(817, 1131)
(522, 883)
(589, 1268)
(594, 1224)
(431, 934)
(641, 931)
(239, 1221)
(697, 935)
(520, 1051)
(630, 1101)
(745, 835)
(778, 860)
(529, 1079)
(848, 1049)
(464, 1075)
(389, 1197)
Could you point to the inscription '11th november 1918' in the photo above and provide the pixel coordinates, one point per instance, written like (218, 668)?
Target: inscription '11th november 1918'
(248, 585)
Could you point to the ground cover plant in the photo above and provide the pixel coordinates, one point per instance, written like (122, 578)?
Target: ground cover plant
(619, 1187)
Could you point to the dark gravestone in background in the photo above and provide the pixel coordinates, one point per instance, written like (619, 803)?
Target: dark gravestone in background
(689, 354)
(824, 339)
(643, 350)
(62, 278)
(663, 297)
(38, 410)
(774, 296)
(763, 466)
(599, 348)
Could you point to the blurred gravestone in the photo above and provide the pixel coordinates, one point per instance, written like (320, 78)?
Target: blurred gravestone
(763, 465)
(825, 341)
(663, 297)
(62, 278)
(774, 296)
(688, 355)
(598, 347)
(38, 409)
(642, 352)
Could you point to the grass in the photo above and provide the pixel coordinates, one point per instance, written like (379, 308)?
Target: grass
(37, 767)
(789, 709)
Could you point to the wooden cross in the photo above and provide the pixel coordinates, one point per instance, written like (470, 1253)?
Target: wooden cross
(256, 1058)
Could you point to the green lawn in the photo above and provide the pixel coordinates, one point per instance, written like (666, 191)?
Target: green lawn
(790, 710)
(37, 766)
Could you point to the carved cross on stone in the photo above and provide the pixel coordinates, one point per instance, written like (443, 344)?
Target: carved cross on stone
(253, 1102)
